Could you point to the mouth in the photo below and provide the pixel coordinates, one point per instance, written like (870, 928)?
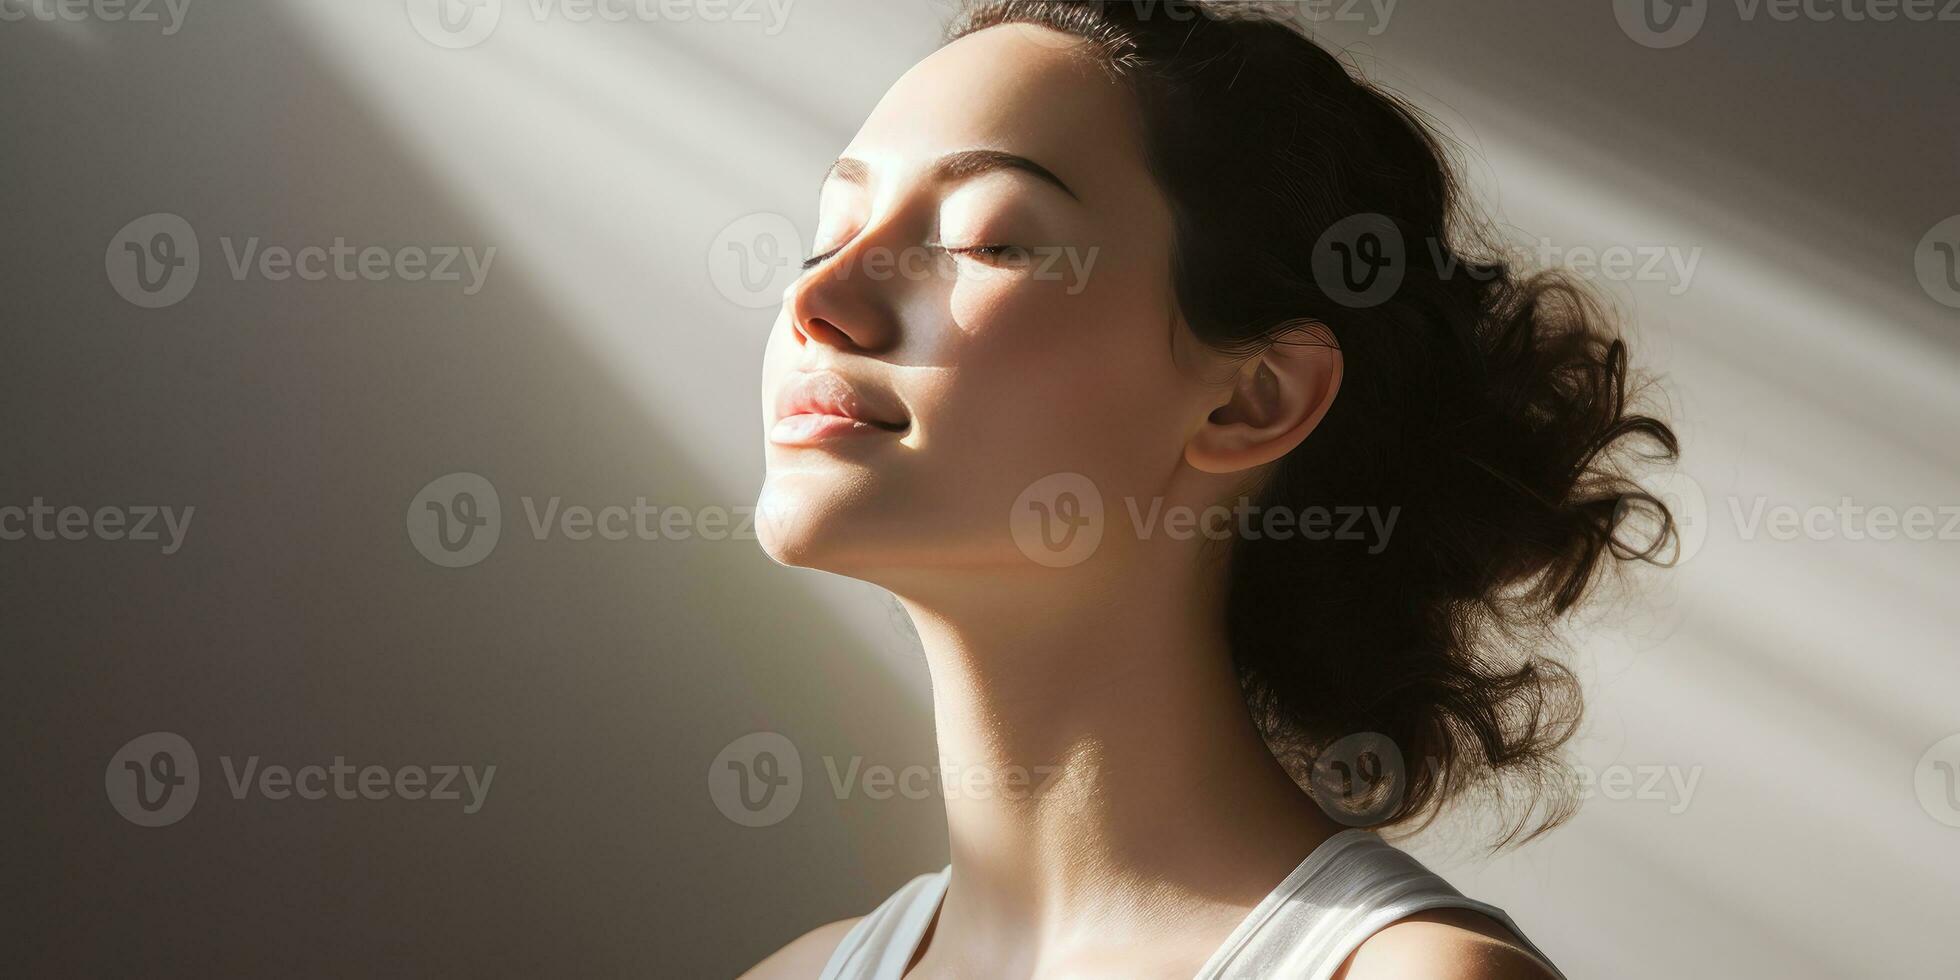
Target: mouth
(823, 406)
(807, 430)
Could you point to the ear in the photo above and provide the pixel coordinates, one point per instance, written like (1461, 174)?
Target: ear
(1276, 399)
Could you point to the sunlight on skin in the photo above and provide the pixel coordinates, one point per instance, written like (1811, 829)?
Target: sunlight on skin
(1005, 379)
(497, 130)
(1085, 392)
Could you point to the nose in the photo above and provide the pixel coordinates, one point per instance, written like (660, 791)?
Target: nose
(832, 307)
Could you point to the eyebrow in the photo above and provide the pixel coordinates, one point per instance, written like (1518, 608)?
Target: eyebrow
(958, 165)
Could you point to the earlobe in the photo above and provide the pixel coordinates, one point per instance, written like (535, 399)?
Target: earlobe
(1277, 399)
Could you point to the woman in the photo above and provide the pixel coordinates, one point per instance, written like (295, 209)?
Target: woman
(1093, 266)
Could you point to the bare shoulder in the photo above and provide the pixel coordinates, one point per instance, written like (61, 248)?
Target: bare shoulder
(805, 956)
(1454, 943)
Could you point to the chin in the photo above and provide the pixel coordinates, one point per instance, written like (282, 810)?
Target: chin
(806, 519)
(852, 526)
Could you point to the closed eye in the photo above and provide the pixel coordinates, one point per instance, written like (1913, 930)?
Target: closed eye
(817, 260)
(1013, 252)
(991, 252)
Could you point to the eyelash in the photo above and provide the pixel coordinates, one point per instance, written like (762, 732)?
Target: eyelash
(990, 251)
(986, 251)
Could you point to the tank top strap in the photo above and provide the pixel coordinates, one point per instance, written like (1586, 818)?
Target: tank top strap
(1352, 886)
(880, 945)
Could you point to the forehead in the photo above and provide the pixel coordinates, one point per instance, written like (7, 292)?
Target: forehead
(1020, 88)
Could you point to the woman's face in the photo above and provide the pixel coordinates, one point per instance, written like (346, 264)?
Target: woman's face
(986, 322)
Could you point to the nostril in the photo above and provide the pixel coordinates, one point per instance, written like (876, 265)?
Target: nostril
(822, 331)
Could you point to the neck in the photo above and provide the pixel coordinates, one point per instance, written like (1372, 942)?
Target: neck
(1098, 759)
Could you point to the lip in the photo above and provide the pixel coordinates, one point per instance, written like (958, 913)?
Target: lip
(821, 406)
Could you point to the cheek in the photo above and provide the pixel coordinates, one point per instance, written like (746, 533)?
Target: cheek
(1048, 381)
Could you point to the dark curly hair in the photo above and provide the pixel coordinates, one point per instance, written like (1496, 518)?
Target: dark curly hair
(1490, 405)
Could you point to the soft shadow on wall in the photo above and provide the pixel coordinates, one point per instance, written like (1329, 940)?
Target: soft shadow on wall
(298, 623)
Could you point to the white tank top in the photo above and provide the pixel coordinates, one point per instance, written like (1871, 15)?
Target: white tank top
(1352, 886)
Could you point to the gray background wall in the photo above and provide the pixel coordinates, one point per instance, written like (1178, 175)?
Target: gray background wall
(1795, 685)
